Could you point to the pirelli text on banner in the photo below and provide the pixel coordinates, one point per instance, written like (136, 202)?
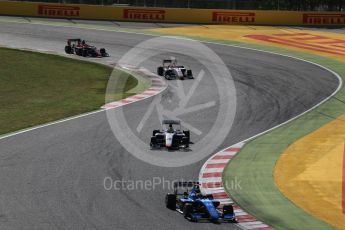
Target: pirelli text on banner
(144, 14)
(233, 17)
(324, 19)
(58, 10)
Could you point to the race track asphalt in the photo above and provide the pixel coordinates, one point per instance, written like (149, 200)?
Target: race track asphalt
(52, 177)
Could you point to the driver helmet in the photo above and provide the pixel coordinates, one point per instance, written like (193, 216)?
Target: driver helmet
(170, 129)
(197, 188)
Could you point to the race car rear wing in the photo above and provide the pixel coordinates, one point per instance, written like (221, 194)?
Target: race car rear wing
(74, 40)
(169, 62)
(184, 184)
(173, 122)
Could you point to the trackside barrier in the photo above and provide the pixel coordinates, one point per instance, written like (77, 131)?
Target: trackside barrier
(177, 15)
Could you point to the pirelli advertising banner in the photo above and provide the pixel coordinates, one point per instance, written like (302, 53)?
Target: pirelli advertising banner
(171, 14)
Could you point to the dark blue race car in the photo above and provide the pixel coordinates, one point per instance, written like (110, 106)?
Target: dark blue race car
(196, 207)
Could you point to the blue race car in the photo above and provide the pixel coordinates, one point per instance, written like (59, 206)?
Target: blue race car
(196, 207)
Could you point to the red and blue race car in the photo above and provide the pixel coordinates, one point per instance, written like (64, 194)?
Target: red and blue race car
(196, 207)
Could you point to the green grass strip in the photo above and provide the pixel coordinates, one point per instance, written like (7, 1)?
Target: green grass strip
(38, 88)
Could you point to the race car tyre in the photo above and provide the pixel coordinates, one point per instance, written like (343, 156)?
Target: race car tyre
(160, 71)
(92, 53)
(78, 52)
(84, 53)
(187, 210)
(185, 142)
(187, 134)
(102, 51)
(209, 196)
(153, 142)
(154, 132)
(68, 49)
(170, 201)
(167, 77)
(190, 74)
(228, 209)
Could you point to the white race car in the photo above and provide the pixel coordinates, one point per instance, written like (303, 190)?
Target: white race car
(170, 137)
(170, 70)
